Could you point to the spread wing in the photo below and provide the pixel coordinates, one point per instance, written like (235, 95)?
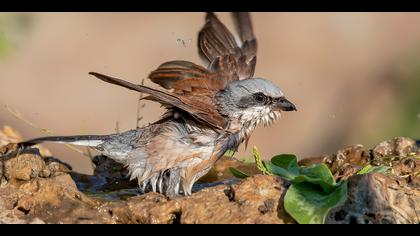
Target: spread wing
(192, 87)
(227, 61)
(186, 77)
(218, 47)
(197, 107)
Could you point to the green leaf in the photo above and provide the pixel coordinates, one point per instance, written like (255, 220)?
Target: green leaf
(308, 204)
(286, 166)
(373, 169)
(279, 171)
(237, 173)
(286, 161)
(313, 192)
(260, 164)
(317, 174)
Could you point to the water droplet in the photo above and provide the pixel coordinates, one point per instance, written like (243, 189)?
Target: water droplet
(183, 42)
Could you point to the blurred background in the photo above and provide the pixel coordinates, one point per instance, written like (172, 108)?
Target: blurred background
(355, 77)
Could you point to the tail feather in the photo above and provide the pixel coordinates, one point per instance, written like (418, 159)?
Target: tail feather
(82, 140)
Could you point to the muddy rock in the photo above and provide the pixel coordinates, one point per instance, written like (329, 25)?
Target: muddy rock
(30, 165)
(255, 200)
(150, 208)
(399, 153)
(378, 199)
(400, 146)
(8, 139)
(52, 200)
(39, 189)
(24, 167)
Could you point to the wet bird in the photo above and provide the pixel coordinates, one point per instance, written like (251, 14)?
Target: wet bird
(209, 110)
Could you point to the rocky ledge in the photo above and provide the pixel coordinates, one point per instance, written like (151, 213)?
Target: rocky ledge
(37, 188)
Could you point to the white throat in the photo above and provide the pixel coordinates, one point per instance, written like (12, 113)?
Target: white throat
(245, 122)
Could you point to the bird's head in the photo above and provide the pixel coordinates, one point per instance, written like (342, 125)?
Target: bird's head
(247, 103)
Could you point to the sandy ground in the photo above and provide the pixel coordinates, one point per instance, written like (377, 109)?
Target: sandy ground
(338, 68)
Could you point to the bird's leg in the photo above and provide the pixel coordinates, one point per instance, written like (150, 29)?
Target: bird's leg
(174, 182)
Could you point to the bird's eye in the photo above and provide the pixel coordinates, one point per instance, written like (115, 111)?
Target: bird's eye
(260, 98)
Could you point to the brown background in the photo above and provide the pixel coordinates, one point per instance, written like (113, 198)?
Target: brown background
(339, 68)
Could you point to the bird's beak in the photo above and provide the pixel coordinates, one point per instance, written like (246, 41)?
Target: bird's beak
(285, 105)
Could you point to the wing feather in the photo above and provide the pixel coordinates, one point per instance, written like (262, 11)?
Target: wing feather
(200, 107)
(218, 47)
(194, 87)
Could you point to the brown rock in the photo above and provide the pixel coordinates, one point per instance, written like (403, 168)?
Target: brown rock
(8, 139)
(55, 166)
(377, 199)
(407, 171)
(400, 146)
(53, 200)
(40, 190)
(1, 172)
(257, 199)
(150, 208)
(344, 163)
(23, 167)
(57, 200)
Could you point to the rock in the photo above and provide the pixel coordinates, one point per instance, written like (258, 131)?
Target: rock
(377, 199)
(400, 146)
(407, 172)
(40, 190)
(27, 166)
(23, 167)
(37, 189)
(150, 208)
(57, 200)
(8, 139)
(1, 171)
(56, 166)
(347, 161)
(54, 200)
(255, 200)
(344, 163)
(51, 200)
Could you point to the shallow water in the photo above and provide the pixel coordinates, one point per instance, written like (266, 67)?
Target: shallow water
(104, 188)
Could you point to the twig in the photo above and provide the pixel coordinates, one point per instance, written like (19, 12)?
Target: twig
(117, 127)
(19, 116)
(139, 106)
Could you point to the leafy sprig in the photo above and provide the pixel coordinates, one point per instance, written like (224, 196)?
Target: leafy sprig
(313, 191)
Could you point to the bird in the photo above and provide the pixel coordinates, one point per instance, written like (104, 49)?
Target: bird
(209, 109)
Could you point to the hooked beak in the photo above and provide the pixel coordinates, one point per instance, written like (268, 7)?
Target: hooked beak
(285, 105)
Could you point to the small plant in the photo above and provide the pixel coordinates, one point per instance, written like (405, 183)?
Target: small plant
(370, 169)
(313, 191)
